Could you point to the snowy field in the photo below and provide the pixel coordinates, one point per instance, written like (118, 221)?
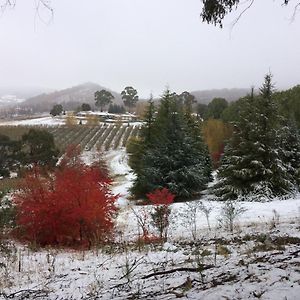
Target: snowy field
(259, 260)
(53, 121)
(41, 121)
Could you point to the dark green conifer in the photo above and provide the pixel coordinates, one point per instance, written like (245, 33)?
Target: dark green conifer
(174, 155)
(253, 167)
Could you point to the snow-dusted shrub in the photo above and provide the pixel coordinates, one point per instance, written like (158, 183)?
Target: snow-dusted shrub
(190, 213)
(161, 199)
(7, 214)
(230, 212)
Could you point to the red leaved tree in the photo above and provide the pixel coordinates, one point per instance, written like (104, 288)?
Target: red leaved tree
(72, 206)
(162, 199)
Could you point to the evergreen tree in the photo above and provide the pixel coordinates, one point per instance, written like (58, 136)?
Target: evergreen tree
(38, 148)
(85, 107)
(103, 98)
(253, 167)
(173, 155)
(194, 129)
(130, 97)
(116, 109)
(290, 149)
(187, 100)
(216, 108)
(8, 152)
(137, 145)
(56, 110)
(149, 118)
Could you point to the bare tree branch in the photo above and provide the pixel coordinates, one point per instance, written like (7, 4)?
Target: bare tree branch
(5, 4)
(39, 5)
(242, 13)
(202, 268)
(296, 8)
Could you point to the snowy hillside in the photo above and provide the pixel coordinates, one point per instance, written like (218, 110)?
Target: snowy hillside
(259, 260)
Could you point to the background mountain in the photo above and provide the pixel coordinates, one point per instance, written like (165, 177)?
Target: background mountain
(73, 97)
(12, 95)
(205, 96)
(70, 98)
(23, 92)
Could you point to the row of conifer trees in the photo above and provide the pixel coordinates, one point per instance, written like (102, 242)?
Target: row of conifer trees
(261, 160)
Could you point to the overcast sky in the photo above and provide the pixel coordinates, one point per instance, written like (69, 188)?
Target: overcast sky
(147, 44)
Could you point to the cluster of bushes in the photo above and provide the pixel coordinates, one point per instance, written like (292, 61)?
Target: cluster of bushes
(116, 109)
(69, 205)
(34, 147)
(64, 203)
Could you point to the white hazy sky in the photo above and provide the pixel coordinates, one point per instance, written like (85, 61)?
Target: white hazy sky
(147, 44)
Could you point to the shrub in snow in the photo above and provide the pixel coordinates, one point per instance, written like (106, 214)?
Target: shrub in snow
(71, 206)
(190, 213)
(160, 216)
(7, 218)
(230, 212)
(142, 218)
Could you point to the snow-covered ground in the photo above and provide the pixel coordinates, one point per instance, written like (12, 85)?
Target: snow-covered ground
(254, 211)
(259, 260)
(52, 121)
(40, 121)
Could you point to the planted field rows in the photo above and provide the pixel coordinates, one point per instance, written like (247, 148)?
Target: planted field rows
(103, 137)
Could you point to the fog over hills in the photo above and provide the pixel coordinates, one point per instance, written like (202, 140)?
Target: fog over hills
(23, 92)
(72, 97)
(205, 96)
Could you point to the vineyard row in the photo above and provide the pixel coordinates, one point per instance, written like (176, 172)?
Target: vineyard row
(103, 137)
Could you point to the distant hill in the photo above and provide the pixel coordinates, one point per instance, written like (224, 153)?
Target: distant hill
(205, 96)
(70, 98)
(23, 92)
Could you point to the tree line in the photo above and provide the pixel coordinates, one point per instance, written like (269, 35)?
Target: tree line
(36, 147)
(259, 157)
(104, 98)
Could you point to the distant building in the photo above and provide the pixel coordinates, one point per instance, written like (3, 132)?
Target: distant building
(108, 117)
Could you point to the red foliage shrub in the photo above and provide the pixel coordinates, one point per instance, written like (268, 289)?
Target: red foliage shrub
(149, 239)
(161, 197)
(72, 206)
(160, 217)
(216, 157)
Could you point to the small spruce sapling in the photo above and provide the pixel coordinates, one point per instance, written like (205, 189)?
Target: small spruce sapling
(161, 199)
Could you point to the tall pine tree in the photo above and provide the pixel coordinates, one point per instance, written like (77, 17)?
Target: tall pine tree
(290, 149)
(253, 166)
(171, 154)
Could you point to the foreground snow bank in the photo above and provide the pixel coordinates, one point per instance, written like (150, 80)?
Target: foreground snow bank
(258, 263)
